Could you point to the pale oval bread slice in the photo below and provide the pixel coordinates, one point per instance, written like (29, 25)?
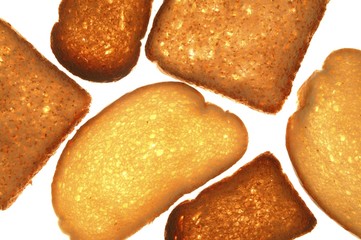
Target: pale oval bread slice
(138, 156)
(256, 202)
(324, 138)
(248, 50)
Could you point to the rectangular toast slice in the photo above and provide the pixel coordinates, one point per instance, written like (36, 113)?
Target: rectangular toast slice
(246, 50)
(39, 106)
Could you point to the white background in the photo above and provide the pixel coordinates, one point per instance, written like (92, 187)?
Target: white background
(32, 215)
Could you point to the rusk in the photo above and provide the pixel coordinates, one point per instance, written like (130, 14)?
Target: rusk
(133, 160)
(256, 203)
(100, 40)
(247, 50)
(324, 138)
(39, 106)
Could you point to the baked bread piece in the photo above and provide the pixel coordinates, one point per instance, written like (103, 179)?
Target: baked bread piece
(131, 162)
(257, 202)
(100, 40)
(246, 50)
(39, 106)
(323, 138)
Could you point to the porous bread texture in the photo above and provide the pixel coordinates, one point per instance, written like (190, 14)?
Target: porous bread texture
(100, 40)
(133, 160)
(323, 138)
(39, 106)
(247, 50)
(256, 202)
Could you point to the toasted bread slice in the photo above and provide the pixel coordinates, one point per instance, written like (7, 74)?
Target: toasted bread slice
(257, 202)
(39, 106)
(324, 138)
(100, 40)
(247, 50)
(138, 156)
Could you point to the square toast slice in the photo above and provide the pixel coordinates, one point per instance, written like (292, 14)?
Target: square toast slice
(246, 50)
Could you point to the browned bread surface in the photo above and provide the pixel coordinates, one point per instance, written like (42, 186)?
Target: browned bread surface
(247, 50)
(132, 161)
(324, 138)
(256, 203)
(100, 40)
(39, 106)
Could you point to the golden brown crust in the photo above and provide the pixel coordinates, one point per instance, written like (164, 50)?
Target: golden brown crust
(323, 137)
(39, 106)
(249, 51)
(257, 202)
(100, 40)
(165, 141)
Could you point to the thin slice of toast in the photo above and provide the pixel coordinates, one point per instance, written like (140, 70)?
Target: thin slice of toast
(257, 202)
(39, 106)
(324, 138)
(100, 40)
(133, 160)
(247, 50)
